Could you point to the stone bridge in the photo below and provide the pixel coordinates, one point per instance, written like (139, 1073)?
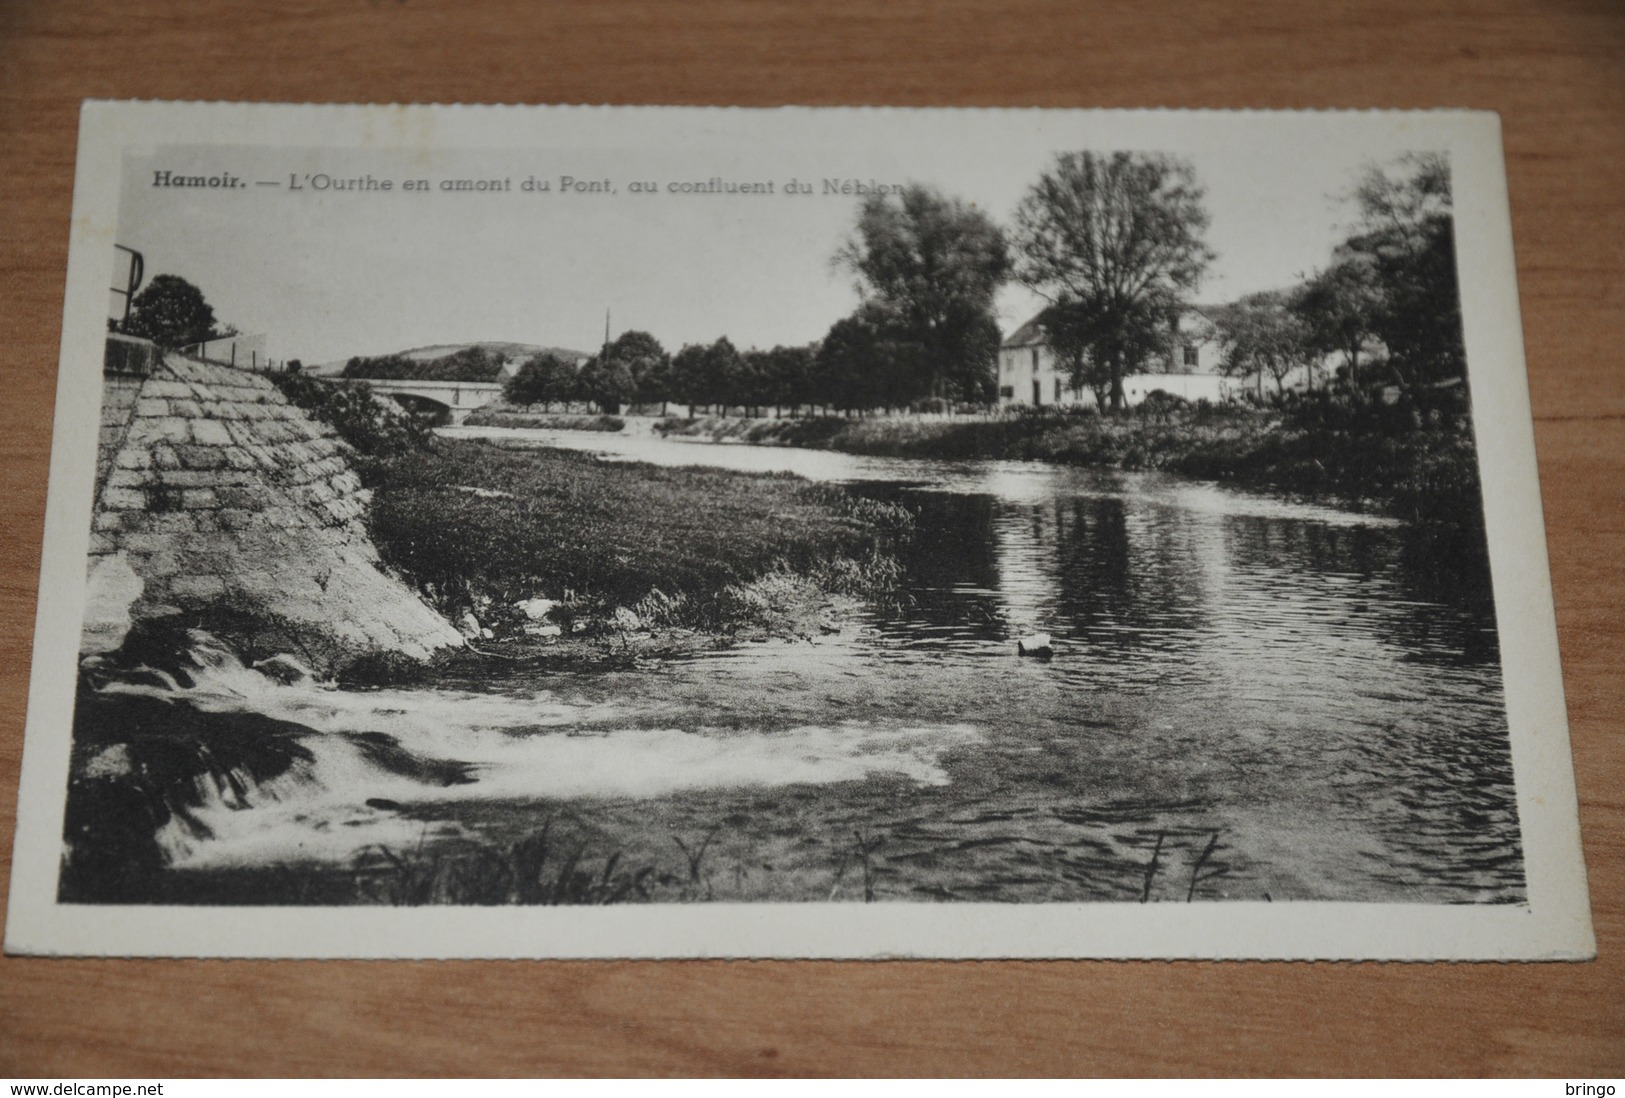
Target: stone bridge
(441, 401)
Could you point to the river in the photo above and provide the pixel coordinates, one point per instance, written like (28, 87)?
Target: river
(1248, 698)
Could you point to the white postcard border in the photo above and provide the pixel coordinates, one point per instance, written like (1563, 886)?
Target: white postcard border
(1554, 924)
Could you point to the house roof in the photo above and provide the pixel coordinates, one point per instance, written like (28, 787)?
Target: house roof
(1032, 333)
(1028, 335)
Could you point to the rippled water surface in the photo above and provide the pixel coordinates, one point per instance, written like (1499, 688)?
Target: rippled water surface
(1248, 698)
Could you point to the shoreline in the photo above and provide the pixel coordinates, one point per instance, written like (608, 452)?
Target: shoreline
(1371, 459)
(556, 557)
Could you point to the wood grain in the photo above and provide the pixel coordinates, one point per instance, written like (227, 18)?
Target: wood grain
(1555, 69)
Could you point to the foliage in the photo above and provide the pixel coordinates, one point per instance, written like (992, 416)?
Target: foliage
(864, 363)
(465, 364)
(646, 367)
(1326, 443)
(1261, 334)
(702, 374)
(542, 378)
(1339, 307)
(1117, 243)
(376, 427)
(930, 266)
(171, 312)
(607, 382)
(1405, 242)
(1090, 342)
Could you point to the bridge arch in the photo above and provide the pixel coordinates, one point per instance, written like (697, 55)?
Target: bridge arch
(436, 413)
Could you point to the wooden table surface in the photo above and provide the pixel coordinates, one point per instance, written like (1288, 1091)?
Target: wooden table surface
(1555, 69)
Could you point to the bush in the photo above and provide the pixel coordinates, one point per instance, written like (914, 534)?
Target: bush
(376, 427)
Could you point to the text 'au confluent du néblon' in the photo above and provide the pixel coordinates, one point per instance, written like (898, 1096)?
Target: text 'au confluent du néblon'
(563, 184)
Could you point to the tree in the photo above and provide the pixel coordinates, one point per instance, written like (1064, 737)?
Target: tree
(1406, 238)
(1117, 241)
(607, 382)
(686, 380)
(1339, 306)
(1260, 335)
(1081, 336)
(542, 379)
(933, 264)
(865, 362)
(721, 370)
(704, 374)
(782, 376)
(645, 361)
(171, 312)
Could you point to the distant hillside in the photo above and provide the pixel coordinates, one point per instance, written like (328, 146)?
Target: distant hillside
(486, 361)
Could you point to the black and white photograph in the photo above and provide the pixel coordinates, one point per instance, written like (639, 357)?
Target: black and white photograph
(803, 533)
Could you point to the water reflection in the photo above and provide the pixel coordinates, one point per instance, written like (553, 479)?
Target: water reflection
(1250, 698)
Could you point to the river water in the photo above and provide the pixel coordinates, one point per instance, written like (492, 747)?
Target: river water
(1248, 698)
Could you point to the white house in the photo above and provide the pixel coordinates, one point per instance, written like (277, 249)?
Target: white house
(1188, 367)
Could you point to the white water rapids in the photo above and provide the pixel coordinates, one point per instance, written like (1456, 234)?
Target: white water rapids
(545, 746)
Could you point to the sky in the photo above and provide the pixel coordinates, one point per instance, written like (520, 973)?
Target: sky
(326, 273)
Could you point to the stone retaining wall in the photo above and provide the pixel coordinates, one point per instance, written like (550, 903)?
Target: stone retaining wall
(222, 505)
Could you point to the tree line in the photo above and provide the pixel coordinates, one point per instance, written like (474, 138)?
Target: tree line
(1115, 243)
(1387, 307)
(464, 364)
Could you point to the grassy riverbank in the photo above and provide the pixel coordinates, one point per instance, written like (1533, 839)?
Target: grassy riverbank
(623, 548)
(1416, 468)
(504, 415)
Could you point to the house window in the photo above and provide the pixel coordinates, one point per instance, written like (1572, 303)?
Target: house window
(1035, 360)
(1191, 358)
(1057, 390)
(1007, 392)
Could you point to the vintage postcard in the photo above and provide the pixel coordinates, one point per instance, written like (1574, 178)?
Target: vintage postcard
(672, 532)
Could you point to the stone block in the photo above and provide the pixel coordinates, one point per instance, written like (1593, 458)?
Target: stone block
(131, 458)
(226, 409)
(101, 544)
(235, 518)
(107, 522)
(172, 522)
(260, 584)
(160, 565)
(145, 432)
(191, 409)
(149, 543)
(165, 456)
(202, 457)
(197, 587)
(184, 478)
(211, 433)
(199, 499)
(127, 478)
(244, 498)
(164, 387)
(238, 458)
(151, 408)
(124, 499)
